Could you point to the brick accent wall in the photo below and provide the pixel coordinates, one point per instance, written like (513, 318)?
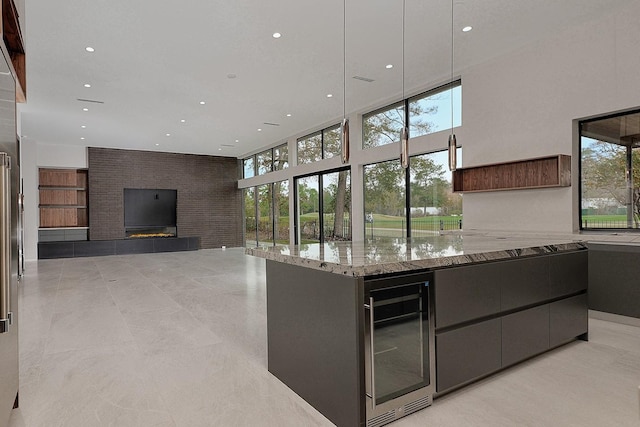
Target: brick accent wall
(209, 201)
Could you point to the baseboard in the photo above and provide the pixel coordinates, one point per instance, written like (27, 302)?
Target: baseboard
(616, 318)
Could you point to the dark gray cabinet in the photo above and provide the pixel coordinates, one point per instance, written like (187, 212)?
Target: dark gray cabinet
(568, 319)
(467, 353)
(613, 278)
(492, 315)
(524, 334)
(523, 282)
(569, 273)
(467, 293)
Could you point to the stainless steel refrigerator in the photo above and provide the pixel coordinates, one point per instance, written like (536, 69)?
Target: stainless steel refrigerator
(9, 194)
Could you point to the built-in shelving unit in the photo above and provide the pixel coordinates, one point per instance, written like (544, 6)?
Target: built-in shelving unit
(542, 172)
(63, 198)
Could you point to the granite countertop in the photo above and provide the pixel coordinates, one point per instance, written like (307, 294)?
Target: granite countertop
(392, 255)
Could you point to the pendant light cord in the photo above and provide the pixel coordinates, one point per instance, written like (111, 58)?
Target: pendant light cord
(403, 25)
(452, 53)
(344, 59)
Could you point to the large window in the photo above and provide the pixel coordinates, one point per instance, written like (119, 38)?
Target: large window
(249, 167)
(266, 161)
(320, 145)
(250, 222)
(281, 212)
(267, 214)
(383, 126)
(409, 203)
(610, 172)
(431, 111)
(334, 202)
(427, 113)
(280, 157)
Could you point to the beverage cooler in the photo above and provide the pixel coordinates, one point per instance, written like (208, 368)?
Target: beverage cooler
(399, 346)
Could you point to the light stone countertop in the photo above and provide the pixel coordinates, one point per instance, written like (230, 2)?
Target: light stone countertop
(392, 255)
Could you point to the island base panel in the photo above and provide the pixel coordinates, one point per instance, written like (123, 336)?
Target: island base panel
(314, 346)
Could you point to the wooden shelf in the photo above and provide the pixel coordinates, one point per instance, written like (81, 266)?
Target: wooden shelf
(542, 172)
(13, 40)
(63, 198)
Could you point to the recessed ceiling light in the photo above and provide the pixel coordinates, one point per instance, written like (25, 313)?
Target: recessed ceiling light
(259, 130)
(157, 145)
(277, 35)
(289, 115)
(237, 140)
(389, 66)
(83, 127)
(202, 102)
(82, 137)
(89, 49)
(329, 95)
(182, 120)
(168, 134)
(87, 85)
(467, 29)
(231, 76)
(219, 149)
(85, 109)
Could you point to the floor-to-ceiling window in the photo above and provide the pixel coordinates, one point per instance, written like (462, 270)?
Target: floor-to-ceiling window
(336, 205)
(418, 200)
(323, 203)
(384, 199)
(308, 207)
(281, 212)
(250, 223)
(266, 214)
(410, 202)
(610, 172)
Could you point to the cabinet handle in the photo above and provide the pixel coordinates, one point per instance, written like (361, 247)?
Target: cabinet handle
(5, 243)
(372, 368)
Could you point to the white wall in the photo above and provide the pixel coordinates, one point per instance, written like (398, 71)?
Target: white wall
(523, 105)
(34, 156)
(518, 106)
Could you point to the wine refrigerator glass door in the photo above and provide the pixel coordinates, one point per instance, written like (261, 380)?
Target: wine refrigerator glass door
(398, 346)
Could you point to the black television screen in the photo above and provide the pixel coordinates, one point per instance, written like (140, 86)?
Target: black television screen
(145, 207)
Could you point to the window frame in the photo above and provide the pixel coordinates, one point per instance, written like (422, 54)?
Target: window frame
(581, 228)
(404, 104)
(319, 174)
(272, 168)
(320, 132)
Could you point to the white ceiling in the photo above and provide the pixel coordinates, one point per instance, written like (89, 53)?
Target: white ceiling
(154, 61)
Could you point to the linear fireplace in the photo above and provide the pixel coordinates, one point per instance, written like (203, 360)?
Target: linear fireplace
(150, 213)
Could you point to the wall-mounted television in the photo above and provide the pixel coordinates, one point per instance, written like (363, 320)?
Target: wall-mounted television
(149, 208)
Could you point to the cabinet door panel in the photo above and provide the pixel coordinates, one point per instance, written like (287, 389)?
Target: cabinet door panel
(525, 334)
(568, 273)
(523, 282)
(466, 293)
(467, 353)
(568, 319)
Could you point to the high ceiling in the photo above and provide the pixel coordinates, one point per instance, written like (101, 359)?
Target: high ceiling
(155, 61)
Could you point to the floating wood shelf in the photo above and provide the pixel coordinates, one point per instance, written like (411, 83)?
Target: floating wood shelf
(542, 172)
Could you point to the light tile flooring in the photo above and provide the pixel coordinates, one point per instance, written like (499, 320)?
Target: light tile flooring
(179, 339)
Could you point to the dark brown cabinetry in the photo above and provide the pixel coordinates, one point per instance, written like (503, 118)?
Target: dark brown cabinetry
(551, 171)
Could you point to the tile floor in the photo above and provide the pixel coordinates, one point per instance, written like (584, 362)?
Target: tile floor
(179, 339)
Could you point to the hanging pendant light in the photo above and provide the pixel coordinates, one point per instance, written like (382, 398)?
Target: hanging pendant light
(404, 134)
(453, 144)
(345, 121)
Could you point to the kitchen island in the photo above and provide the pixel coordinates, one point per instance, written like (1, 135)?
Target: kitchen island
(368, 332)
